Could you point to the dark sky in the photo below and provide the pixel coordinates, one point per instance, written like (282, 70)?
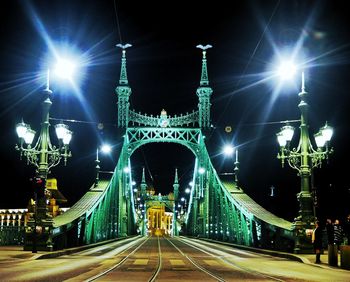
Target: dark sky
(164, 71)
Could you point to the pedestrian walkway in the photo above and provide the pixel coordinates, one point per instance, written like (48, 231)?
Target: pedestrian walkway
(16, 252)
(311, 258)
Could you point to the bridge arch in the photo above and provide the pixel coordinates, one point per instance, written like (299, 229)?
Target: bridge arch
(191, 138)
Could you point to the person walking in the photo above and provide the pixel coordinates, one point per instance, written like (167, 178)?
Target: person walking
(338, 234)
(317, 241)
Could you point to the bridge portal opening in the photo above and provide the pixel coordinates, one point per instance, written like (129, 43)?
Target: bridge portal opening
(159, 220)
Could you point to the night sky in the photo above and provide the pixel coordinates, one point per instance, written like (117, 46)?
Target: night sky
(164, 72)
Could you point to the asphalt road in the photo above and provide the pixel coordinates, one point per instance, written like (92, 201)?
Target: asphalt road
(165, 259)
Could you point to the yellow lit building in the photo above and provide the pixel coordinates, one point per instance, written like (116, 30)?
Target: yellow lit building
(159, 221)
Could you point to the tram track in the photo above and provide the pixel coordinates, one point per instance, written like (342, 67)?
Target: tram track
(97, 276)
(131, 257)
(158, 267)
(153, 271)
(224, 259)
(201, 268)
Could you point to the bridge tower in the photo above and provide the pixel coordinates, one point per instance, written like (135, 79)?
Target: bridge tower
(123, 90)
(176, 196)
(143, 184)
(204, 92)
(176, 186)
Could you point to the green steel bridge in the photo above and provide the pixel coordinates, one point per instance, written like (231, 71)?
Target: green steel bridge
(216, 209)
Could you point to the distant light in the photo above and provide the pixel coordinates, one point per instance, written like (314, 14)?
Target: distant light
(187, 190)
(191, 184)
(228, 150)
(133, 183)
(201, 170)
(106, 148)
(126, 169)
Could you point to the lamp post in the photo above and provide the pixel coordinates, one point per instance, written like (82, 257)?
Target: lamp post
(184, 200)
(105, 148)
(43, 155)
(229, 150)
(304, 158)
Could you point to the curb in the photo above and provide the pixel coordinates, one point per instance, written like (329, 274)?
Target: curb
(79, 249)
(262, 251)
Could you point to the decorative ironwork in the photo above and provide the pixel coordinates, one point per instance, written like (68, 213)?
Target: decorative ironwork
(123, 90)
(137, 137)
(204, 92)
(44, 155)
(138, 119)
(303, 159)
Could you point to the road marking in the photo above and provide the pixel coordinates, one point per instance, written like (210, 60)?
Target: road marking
(211, 262)
(176, 262)
(141, 261)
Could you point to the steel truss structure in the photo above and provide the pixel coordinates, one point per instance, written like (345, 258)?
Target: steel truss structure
(217, 210)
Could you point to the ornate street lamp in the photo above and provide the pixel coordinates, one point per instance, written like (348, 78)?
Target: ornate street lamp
(43, 155)
(304, 158)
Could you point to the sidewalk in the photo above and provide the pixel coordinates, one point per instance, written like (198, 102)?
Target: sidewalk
(304, 258)
(16, 252)
(311, 258)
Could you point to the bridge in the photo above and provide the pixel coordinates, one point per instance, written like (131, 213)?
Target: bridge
(217, 209)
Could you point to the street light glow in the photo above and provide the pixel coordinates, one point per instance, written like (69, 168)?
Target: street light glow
(287, 132)
(228, 150)
(327, 132)
(21, 129)
(126, 169)
(106, 148)
(320, 140)
(29, 136)
(65, 68)
(287, 70)
(67, 137)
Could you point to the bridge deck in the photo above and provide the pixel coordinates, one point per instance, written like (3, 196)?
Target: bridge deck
(254, 208)
(84, 205)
